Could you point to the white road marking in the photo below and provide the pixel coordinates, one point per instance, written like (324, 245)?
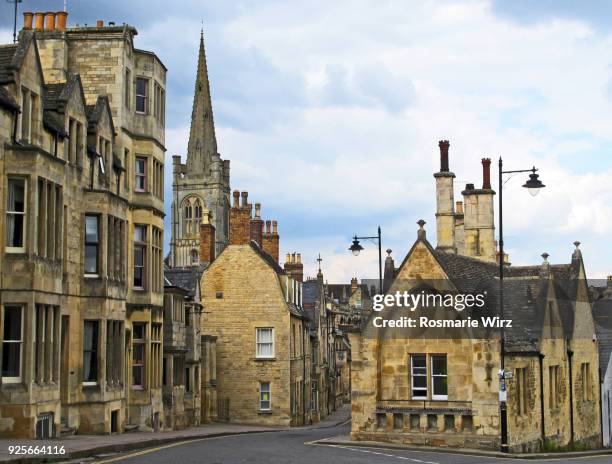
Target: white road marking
(384, 454)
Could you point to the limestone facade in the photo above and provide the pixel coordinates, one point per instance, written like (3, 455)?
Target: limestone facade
(436, 389)
(81, 163)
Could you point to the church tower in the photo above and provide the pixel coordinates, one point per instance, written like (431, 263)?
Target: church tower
(202, 183)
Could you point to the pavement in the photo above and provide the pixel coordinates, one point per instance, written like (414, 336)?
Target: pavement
(78, 447)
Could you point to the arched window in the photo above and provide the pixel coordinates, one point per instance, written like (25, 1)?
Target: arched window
(198, 209)
(195, 258)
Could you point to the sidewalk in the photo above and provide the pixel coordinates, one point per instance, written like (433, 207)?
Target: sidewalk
(345, 440)
(85, 446)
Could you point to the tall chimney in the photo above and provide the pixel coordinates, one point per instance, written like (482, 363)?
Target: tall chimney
(445, 204)
(50, 21)
(256, 226)
(271, 240)
(486, 173)
(240, 220)
(354, 285)
(207, 238)
(27, 20)
(444, 144)
(62, 16)
(294, 267)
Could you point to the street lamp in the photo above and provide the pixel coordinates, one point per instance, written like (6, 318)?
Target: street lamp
(356, 248)
(533, 184)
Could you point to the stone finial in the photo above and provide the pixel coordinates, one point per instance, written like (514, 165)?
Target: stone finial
(389, 251)
(577, 244)
(577, 253)
(545, 256)
(421, 232)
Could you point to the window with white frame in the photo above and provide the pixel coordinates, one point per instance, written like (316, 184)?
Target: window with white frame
(265, 342)
(439, 377)
(142, 95)
(16, 215)
(140, 174)
(140, 256)
(12, 343)
(265, 400)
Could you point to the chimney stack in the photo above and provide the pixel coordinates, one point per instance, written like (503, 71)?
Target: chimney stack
(240, 220)
(486, 173)
(294, 267)
(445, 203)
(27, 20)
(270, 240)
(50, 21)
(62, 17)
(444, 145)
(207, 238)
(256, 226)
(459, 208)
(99, 23)
(354, 285)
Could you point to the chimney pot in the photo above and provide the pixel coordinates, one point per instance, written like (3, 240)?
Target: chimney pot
(288, 258)
(268, 227)
(486, 173)
(469, 186)
(111, 23)
(459, 207)
(27, 20)
(444, 145)
(257, 210)
(40, 20)
(299, 258)
(236, 195)
(274, 228)
(50, 21)
(99, 23)
(245, 199)
(61, 20)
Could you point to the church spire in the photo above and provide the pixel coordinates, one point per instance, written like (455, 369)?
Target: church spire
(202, 141)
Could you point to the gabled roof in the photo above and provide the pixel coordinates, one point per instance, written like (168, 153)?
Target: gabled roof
(7, 101)
(12, 56)
(267, 258)
(94, 113)
(7, 52)
(602, 313)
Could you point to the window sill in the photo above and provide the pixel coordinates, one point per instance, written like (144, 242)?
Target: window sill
(264, 359)
(264, 412)
(91, 276)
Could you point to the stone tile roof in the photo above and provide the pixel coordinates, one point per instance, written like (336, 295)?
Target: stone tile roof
(6, 100)
(311, 291)
(7, 52)
(186, 278)
(602, 313)
(51, 95)
(342, 292)
(54, 123)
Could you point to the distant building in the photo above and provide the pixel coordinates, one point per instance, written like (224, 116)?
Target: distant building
(82, 135)
(602, 312)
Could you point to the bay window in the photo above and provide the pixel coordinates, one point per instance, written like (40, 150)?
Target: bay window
(16, 215)
(12, 343)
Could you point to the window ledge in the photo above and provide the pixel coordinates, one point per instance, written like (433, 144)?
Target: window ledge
(263, 412)
(264, 359)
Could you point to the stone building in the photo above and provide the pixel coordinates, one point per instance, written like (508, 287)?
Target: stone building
(202, 182)
(254, 308)
(440, 386)
(81, 162)
(602, 312)
(189, 370)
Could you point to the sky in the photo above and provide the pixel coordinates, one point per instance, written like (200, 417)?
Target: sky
(331, 113)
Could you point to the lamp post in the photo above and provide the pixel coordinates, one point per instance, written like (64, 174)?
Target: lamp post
(16, 2)
(534, 185)
(356, 248)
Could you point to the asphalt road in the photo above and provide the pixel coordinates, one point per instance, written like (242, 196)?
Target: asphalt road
(292, 447)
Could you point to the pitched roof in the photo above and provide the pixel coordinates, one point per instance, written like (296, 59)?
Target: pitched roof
(6, 100)
(94, 113)
(7, 52)
(267, 258)
(54, 123)
(602, 313)
(186, 278)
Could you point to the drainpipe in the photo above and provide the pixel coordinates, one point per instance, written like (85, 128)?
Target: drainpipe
(541, 357)
(303, 376)
(601, 408)
(570, 354)
(15, 119)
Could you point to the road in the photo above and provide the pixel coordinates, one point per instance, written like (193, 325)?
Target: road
(295, 447)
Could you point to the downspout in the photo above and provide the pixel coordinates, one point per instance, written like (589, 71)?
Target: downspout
(15, 119)
(601, 408)
(570, 354)
(543, 426)
(303, 375)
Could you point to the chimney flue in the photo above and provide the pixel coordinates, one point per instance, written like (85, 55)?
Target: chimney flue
(27, 20)
(444, 144)
(40, 21)
(50, 21)
(62, 16)
(257, 210)
(268, 227)
(245, 199)
(486, 173)
(236, 195)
